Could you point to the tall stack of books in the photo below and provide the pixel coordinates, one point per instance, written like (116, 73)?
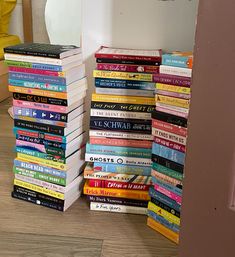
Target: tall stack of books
(119, 151)
(169, 128)
(49, 87)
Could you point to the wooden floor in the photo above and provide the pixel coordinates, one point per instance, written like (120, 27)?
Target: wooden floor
(33, 231)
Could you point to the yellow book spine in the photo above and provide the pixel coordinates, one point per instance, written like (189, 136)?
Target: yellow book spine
(38, 189)
(39, 92)
(165, 214)
(123, 75)
(172, 101)
(171, 88)
(163, 230)
(123, 99)
(52, 164)
(121, 193)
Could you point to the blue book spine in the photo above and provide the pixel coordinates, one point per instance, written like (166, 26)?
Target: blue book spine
(123, 169)
(164, 199)
(46, 67)
(163, 221)
(168, 153)
(41, 135)
(37, 85)
(167, 186)
(127, 84)
(39, 168)
(38, 78)
(118, 150)
(176, 61)
(39, 114)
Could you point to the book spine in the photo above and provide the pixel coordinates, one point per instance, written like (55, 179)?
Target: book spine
(36, 71)
(172, 80)
(37, 78)
(164, 199)
(120, 142)
(37, 201)
(167, 171)
(123, 99)
(176, 71)
(41, 135)
(125, 92)
(38, 189)
(38, 85)
(117, 185)
(168, 163)
(40, 106)
(117, 177)
(163, 221)
(168, 233)
(128, 68)
(40, 99)
(38, 114)
(44, 162)
(168, 153)
(173, 94)
(123, 75)
(119, 150)
(39, 168)
(40, 183)
(32, 53)
(39, 176)
(166, 179)
(128, 62)
(40, 127)
(173, 88)
(124, 84)
(122, 135)
(136, 126)
(121, 193)
(169, 136)
(31, 65)
(117, 159)
(173, 112)
(177, 61)
(178, 109)
(123, 107)
(37, 92)
(168, 193)
(122, 169)
(173, 189)
(95, 206)
(183, 103)
(169, 127)
(120, 114)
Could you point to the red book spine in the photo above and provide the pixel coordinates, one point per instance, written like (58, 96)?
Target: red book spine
(117, 185)
(169, 127)
(170, 144)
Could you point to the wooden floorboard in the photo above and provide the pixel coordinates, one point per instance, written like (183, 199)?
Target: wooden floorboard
(121, 234)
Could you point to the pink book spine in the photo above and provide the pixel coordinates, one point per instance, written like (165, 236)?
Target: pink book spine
(173, 94)
(180, 114)
(40, 148)
(34, 71)
(39, 106)
(168, 193)
(170, 144)
(128, 68)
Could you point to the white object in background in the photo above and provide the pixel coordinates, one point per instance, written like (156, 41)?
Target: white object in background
(63, 21)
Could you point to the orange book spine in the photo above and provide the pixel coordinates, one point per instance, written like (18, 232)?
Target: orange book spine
(120, 193)
(163, 230)
(120, 142)
(39, 92)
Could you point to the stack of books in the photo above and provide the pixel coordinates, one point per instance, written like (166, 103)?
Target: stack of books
(119, 151)
(49, 88)
(169, 128)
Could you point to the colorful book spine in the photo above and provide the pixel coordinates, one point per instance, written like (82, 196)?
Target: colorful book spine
(176, 71)
(173, 88)
(172, 80)
(170, 144)
(166, 179)
(165, 169)
(173, 112)
(168, 193)
(173, 94)
(178, 60)
(172, 101)
(167, 186)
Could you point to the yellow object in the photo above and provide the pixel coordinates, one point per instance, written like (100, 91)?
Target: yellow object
(172, 88)
(7, 40)
(172, 101)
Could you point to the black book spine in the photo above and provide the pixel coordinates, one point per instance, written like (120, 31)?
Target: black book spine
(167, 163)
(32, 53)
(134, 62)
(39, 127)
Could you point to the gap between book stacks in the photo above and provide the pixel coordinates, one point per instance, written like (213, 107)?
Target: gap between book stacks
(134, 159)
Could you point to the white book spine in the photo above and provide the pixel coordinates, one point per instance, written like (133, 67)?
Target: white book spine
(177, 71)
(120, 114)
(122, 135)
(171, 107)
(117, 159)
(96, 206)
(121, 91)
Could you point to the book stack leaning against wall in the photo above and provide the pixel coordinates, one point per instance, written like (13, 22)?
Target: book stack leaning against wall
(169, 128)
(49, 87)
(119, 151)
